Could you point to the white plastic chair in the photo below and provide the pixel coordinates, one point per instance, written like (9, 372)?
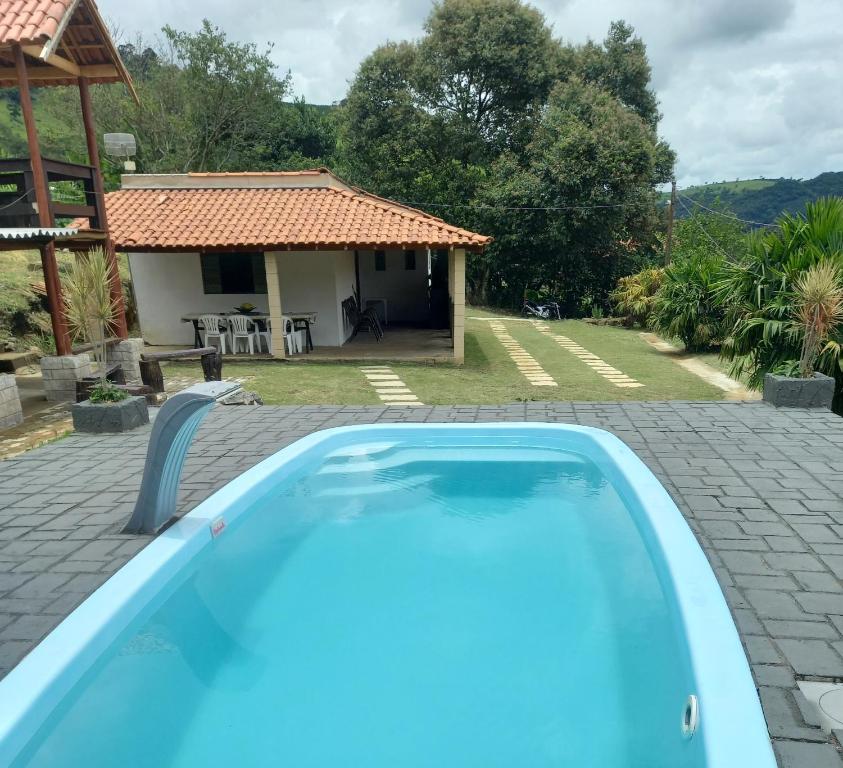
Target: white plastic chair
(265, 336)
(292, 337)
(214, 328)
(241, 331)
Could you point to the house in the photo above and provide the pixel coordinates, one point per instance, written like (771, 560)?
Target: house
(287, 242)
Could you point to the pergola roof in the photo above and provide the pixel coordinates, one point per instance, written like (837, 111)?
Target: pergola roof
(67, 38)
(292, 218)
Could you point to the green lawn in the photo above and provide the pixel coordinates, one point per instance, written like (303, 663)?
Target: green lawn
(489, 376)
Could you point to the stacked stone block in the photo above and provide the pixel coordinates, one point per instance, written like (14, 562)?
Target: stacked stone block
(11, 413)
(128, 354)
(60, 375)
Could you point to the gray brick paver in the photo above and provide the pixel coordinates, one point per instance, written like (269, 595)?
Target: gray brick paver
(759, 487)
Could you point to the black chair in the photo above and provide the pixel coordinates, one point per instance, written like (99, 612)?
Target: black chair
(358, 320)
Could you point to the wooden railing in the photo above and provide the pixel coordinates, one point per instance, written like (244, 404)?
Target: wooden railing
(18, 207)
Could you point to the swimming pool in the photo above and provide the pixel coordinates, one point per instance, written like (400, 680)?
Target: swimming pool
(404, 595)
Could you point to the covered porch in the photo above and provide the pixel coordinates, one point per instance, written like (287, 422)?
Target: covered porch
(415, 345)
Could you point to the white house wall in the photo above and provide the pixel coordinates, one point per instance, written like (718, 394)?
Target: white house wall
(404, 289)
(310, 283)
(168, 285)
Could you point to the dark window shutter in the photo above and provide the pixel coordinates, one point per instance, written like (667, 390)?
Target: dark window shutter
(211, 275)
(409, 260)
(259, 272)
(380, 261)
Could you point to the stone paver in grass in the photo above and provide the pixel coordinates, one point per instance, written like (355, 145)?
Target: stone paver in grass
(388, 386)
(524, 361)
(760, 488)
(608, 372)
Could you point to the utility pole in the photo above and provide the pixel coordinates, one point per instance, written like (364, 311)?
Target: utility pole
(668, 245)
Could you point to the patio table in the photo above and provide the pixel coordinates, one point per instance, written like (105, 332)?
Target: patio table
(193, 317)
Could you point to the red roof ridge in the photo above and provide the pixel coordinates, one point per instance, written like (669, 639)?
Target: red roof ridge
(230, 174)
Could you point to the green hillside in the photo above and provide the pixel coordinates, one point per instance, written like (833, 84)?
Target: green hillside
(762, 200)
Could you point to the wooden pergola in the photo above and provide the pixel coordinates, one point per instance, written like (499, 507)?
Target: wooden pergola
(48, 43)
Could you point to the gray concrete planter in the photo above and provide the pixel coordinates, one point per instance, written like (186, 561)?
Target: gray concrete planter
(787, 392)
(110, 417)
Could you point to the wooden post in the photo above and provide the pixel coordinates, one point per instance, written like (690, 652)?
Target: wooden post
(120, 327)
(45, 216)
(668, 246)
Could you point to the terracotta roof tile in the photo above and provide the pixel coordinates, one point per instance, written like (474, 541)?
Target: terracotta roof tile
(31, 21)
(266, 218)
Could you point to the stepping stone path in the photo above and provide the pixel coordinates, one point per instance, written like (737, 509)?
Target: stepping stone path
(618, 378)
(391, 390)
(523, 360)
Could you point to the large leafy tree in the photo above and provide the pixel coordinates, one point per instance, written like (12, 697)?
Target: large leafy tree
(620, 66)
(582, 201)
(490, 121)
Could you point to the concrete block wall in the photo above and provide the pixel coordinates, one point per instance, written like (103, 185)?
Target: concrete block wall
(128, 354)
(11, 413)
(60, 375)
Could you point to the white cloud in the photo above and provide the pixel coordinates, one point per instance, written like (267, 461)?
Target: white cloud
(747, 87)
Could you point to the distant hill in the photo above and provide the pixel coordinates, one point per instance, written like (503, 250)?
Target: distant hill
(763, 200)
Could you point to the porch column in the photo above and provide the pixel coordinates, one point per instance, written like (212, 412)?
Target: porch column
(273, 292)
(45, 216)
(115, 287)
(456, 286)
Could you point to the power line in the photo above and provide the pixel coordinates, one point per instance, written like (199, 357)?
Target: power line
(703, 229)
(517, 208)
(725, 215)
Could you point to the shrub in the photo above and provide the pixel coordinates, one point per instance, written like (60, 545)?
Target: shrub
(634, 295)
(758, 293)
(106, 392)
(685, 306)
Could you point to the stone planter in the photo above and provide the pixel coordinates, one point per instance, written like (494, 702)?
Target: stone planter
(110, 417)
(787, 392)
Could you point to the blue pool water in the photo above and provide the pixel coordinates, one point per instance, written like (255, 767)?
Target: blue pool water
(396, 604)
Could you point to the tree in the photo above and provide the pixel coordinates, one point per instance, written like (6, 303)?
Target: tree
(491, 122)
(484, 68)
(206, 104)
(587, 182)
(620, 66)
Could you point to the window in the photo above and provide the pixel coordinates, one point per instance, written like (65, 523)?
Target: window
(409, 260)
(380, 261)
(233, 273)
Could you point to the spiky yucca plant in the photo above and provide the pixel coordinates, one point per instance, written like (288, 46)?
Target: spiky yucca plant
(88, 306)
(818, 311)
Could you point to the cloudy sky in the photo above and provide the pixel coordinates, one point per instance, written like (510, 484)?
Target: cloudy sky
(748, 88)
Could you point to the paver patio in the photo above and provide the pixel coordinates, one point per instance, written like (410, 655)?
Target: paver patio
(761, 488)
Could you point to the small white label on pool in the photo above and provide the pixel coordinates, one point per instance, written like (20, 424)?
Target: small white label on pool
(217, 526)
